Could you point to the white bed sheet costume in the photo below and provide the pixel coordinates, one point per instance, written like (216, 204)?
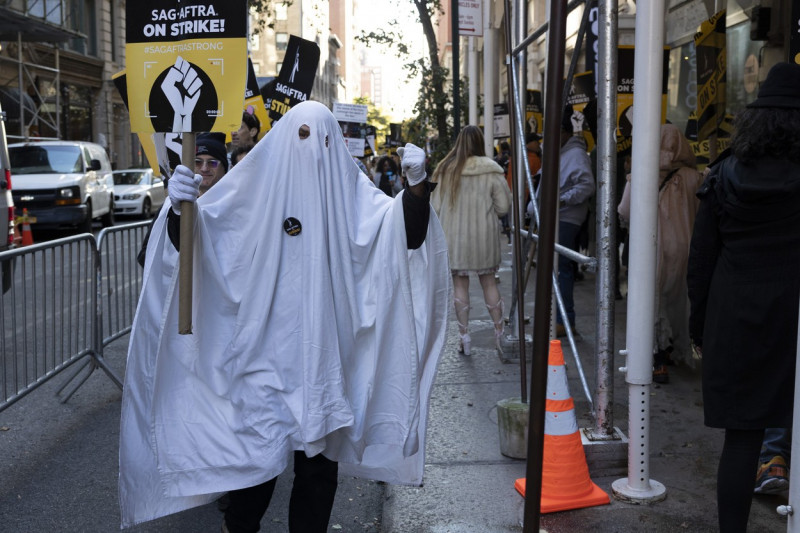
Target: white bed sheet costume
(326, 340)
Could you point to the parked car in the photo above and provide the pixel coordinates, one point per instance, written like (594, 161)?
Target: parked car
(8, 238)
(137, 191)
(62, 183)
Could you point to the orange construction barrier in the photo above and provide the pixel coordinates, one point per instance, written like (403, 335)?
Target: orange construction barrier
(27, 234)
(565, 475)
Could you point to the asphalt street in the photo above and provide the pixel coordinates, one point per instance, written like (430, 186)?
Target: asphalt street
(59, 461)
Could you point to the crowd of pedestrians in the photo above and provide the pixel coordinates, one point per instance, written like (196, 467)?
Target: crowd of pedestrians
(726, 292)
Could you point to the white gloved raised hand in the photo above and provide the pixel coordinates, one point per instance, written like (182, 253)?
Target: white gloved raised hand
(412, 161)
(183, 186)
(577, 120)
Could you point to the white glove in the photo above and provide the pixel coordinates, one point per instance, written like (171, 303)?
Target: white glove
(412, 161)
(183, 186)
(577, 119)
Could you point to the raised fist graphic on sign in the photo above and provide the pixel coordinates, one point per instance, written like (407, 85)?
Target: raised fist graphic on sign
(182, 88)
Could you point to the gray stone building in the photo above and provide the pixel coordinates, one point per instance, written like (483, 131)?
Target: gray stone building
(57, 59)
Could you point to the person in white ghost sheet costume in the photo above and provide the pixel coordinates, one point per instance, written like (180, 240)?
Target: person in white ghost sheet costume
(319, 316)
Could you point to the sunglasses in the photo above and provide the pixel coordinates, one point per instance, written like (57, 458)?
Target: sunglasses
(212, 163)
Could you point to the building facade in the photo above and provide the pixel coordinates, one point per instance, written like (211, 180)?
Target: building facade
(57, 59)
(758, 34)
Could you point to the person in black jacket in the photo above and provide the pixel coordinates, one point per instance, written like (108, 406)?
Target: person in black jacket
(744, 285)
(210, 163)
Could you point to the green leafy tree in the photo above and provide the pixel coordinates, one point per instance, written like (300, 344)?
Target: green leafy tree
(265, 9)
(375, 117)
(433, 124)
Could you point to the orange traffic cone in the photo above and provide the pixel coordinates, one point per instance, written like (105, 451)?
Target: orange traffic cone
(565, 474)
(27, 234)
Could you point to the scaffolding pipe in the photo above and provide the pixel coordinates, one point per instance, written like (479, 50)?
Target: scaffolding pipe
(607, 248)
(515, 213)
(567, 252)
(649, 40)
(515, 313)
(541, 30)
(576, 52)
(545, 260)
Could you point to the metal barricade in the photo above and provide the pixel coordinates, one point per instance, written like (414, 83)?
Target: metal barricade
(120, 279)
(65, 300)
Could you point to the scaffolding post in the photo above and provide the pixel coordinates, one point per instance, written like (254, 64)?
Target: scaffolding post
(607, 249)
(638, 487)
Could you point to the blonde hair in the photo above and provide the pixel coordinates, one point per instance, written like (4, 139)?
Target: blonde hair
(448, 172)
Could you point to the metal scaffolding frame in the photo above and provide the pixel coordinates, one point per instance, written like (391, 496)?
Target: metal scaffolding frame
(30, 65)
(30, 40)
(638, 487)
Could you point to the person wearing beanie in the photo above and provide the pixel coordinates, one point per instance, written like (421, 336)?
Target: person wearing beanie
(744, 286)
(211, 159)
(210, 164)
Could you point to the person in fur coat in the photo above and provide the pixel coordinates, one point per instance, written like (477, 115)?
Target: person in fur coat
(471, 195)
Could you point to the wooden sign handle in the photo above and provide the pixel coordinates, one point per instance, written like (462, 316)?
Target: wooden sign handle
(186, 254)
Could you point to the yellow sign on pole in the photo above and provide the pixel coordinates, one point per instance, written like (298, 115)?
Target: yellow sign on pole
(187, 71)
(187, 65)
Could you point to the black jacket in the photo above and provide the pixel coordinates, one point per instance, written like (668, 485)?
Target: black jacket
(744, 287)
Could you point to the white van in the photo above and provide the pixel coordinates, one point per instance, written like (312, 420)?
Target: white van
(62, 183)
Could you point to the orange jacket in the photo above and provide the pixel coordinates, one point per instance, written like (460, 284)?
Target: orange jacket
(533, 160)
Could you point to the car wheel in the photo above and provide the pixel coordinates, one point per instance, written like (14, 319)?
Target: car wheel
(147, 209)
(86, 225)
(108, 218)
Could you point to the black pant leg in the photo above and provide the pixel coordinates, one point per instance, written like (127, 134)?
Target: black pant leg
(313, 492)
(736, 478)
(247, 506)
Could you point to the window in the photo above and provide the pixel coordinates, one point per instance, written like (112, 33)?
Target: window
(82, 18)
(281, 41)
(281, 11)
(50, 10)
(255, 41)
(76, 104)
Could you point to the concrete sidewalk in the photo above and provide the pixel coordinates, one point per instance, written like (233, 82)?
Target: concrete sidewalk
(469, 484)
(58, 462)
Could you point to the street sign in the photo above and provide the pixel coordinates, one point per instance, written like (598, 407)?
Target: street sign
(470, 18)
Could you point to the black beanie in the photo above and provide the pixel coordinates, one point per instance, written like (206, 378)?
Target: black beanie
(781, 88)
(212, 144)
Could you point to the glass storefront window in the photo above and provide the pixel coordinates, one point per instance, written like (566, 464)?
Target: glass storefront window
(682, 84)
(742, 73)
(76, 118)
(741, 76)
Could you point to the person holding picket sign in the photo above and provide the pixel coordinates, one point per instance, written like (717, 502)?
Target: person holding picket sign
(320, 316)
